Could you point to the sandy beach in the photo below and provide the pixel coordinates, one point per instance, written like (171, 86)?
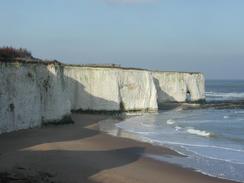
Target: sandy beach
(77, 153)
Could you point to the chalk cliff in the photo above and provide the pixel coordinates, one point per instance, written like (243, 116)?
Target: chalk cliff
(179, 87)
(32, 94)
(110, 89)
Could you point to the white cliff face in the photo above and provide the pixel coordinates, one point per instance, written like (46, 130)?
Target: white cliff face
(92, 88)
(179, 87)
(195, 83)
(32, 94)
(137, 90)
(110, 89)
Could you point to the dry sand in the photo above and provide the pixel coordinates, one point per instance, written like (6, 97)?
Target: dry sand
(78, 153)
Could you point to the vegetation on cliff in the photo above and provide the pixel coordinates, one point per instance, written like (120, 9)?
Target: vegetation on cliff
(10, 53)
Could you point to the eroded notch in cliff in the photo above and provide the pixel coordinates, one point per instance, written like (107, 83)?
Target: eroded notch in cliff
(11, 107)
(188, 96)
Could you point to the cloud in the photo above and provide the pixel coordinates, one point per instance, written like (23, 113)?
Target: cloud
(130, 1)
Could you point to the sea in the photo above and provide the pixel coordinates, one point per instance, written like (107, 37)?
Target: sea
(211, 140)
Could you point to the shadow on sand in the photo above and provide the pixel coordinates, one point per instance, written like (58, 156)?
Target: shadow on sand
(18, 164)
(67, 166)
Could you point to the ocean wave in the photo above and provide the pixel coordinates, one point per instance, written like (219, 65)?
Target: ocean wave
(146, 124)
(199, 145)
(224, 96)
(145, 133)
(170, 122)
(178, 128)
(239, 112)
(218, 157)
(196, 168)
(188, 148)
(199, 132)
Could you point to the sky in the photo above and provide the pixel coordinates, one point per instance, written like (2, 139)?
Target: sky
(176, 35)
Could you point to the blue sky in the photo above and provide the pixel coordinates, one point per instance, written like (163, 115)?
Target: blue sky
(183, 35)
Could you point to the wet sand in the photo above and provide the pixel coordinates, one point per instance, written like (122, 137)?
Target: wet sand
(79, 153)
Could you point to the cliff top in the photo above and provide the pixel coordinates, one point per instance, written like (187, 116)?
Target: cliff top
(48, 62)
(21, 55)
(10, 52)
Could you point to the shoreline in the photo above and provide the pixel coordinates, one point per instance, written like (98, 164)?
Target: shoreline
(80, 153)
(135, 137)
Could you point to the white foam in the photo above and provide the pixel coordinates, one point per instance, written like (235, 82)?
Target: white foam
(201, 145)
(146, 137)
(226, 117)
(221, 175)
(170, 122)
(177, 128)
(218, 157)
(146, 124)
(144, 133)
(198, 132)
(239, 112)
(226, 96)
(187, 147)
